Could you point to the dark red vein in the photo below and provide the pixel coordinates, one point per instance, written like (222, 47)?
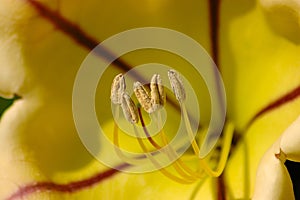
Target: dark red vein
(221, 188)
(214, 17)
(214, 11)
(69, 28)
(65, 188)
(74, 32)
(288, 97)
(214, 8)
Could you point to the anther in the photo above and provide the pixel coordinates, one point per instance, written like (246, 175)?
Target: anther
(117, 89)
(129, 109)
(158, 97)
(177, 85)
(143, 97)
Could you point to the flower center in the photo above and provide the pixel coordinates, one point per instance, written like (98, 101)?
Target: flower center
(152, 102)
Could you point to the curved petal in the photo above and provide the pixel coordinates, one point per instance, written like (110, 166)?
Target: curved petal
(272, 179)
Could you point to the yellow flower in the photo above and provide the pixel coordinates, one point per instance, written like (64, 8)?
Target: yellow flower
(255, 44)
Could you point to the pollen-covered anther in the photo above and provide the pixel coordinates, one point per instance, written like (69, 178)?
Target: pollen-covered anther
(177, 85)
(129, 109)
(143, 97)
(158, 96)
(117, 89)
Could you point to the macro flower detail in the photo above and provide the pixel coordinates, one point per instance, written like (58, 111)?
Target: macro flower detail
(117, 89)
(177, 85)
(254, 43)
(273, 180)
(158, 96)
(151, 103)
(143, 97)
(129, 109)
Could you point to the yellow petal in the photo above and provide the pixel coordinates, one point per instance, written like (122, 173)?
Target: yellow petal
(290, 142)
(272, 179)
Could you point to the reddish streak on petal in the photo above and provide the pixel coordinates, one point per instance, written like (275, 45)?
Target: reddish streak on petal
(277, 103)
(79, 36)
(214, 20)
(214, 7)
(65, 188)
(74, 32)
(221, 188)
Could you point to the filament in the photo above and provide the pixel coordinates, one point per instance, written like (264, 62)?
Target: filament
(185, 180)
(156, 164)
(229, 129)
(117, 145)
(188, 175)
(154, 144)
(165, 141)
(179, 165)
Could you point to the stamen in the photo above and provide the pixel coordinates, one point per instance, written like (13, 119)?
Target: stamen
(129, 109)
(179, 165)
(154, 102)
(156, 164)
(154, 144)
(117, 89)
(120, 97)
(143, 97)
(179, 91)
(225, 150)
(177, 85)
(158, 96)
(164, 138)
(130, 160)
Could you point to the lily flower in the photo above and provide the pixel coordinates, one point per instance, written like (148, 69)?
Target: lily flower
(254, 43)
